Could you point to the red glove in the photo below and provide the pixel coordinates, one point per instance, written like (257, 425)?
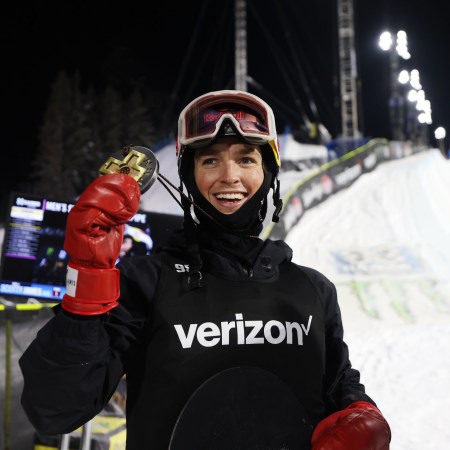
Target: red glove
(360, 426)
(94, 234)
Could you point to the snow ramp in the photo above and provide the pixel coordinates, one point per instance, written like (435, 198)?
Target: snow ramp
(385, 243)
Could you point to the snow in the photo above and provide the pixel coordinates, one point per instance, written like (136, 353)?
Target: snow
(297, 151)
(385, 243)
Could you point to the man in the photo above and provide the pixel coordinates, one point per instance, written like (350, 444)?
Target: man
(218, 298)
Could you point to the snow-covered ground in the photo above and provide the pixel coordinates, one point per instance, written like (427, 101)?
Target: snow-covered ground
(385, 243)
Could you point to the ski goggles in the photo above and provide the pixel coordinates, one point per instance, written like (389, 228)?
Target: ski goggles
(202, 120)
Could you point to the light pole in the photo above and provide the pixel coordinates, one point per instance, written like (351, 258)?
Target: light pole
(424, 107)
(397, 100)
(418, 108)
(439, 134)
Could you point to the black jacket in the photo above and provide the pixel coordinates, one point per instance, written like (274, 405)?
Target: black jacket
(168, 339)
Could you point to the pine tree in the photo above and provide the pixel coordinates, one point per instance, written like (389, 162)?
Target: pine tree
(79, 156)
(81, 130)
(65, 160)
(109, 122)
(139, 129)
(48, 163)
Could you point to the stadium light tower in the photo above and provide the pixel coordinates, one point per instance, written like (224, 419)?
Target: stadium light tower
(418, 108)
(397, 100)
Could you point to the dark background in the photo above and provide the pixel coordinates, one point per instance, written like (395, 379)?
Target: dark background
(184, 49)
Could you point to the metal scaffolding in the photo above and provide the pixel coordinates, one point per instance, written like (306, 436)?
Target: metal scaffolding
(347, 70)
(241, 45)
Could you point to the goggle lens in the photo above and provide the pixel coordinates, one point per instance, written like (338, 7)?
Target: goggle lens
(207, 122)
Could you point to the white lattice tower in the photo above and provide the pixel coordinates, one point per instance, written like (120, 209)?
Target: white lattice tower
(347, 70)
(241, 45)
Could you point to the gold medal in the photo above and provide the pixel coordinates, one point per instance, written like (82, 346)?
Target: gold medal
(139, 163)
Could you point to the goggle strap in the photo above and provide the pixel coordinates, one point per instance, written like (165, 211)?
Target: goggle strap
(276, 154)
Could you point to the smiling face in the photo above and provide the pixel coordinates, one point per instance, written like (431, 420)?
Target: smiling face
(228, 173)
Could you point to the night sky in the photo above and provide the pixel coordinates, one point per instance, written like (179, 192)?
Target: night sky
(187, 49)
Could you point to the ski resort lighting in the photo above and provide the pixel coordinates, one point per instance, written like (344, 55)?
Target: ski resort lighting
(397, 52)
(403, 77)
(420, 100)
(424, 106)
(415, 79)
(425, 117)
(402, 45)
(385, 41)
(439, 133)
(413, 95)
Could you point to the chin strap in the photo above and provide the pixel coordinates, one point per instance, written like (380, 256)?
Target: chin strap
(195, 277)
(186, 203)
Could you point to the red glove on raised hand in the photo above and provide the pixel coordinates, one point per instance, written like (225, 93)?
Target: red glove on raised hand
(360, 426)
(94, 234)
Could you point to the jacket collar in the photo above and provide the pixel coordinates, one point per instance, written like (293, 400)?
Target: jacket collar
(264, 266)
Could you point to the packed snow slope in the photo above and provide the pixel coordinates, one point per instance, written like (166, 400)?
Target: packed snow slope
(385, 243)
